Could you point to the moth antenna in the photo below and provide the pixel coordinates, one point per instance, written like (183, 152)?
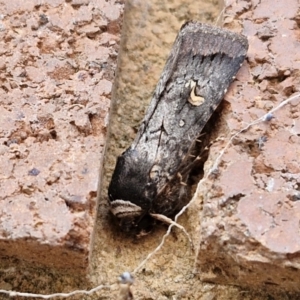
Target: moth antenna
(169, 221)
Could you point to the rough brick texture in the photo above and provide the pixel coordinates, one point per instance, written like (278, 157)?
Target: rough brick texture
(251, 214)
(57, 66)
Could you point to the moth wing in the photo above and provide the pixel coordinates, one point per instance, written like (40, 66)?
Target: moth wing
(200, 68)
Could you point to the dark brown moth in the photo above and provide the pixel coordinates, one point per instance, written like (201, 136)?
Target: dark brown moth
(150, 176)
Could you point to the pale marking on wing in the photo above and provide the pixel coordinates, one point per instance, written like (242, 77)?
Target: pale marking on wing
(194, 99)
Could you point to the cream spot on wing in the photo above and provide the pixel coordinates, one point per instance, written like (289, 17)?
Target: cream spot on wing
(194, 99)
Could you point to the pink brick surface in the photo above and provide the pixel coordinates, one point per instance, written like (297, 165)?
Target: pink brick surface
(251, 214)
(57, 66)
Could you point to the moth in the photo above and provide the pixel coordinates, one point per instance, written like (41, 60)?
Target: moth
(151, 176)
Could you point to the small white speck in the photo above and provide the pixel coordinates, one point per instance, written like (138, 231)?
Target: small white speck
(126, 278)
(181, 123)
(2, 27)
(268, 117)
(270, 185)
